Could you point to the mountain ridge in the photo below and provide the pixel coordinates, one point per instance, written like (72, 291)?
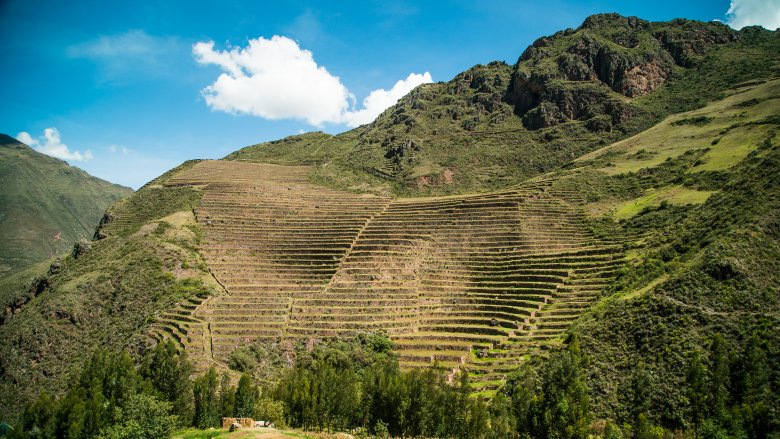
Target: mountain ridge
(518, 121)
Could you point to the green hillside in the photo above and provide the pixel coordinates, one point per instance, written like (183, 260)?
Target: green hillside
(591, 236)
(45, 205)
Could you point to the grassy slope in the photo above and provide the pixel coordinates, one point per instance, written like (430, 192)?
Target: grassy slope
(713, 139)
(45, 205)
(707, 261)
(108, 296)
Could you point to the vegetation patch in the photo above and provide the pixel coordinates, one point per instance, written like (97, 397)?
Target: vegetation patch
(698, 120)
(673, 194)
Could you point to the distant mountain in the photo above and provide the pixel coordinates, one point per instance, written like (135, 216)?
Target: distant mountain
(46, 205)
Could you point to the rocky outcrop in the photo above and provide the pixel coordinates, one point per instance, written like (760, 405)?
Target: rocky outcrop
(80, 248)
(611, 53)
(99, 232)
(687, 40)
(561, 101)
(37, 286)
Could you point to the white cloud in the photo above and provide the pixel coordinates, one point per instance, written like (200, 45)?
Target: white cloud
(276, 79)
(379, 100)
(51, 144)
(26, 138)
(764, 13)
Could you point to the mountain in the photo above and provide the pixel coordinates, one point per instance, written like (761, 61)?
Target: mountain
(46, 205)
(620, 183)
(570, 93)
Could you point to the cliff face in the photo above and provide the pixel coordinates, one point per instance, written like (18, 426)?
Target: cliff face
(581, 74)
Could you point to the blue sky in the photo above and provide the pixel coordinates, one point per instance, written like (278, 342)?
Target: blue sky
(118, 89)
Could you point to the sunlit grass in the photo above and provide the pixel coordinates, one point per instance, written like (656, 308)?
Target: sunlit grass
(671, 194)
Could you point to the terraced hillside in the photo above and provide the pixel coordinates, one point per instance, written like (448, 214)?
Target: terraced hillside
(474, 281)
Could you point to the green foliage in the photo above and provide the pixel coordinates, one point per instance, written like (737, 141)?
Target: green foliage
(144, 417)
(554, 403)
(207, 410)
(38, 419)
(698, 120)
(113, 399)
(227, 397)
(325, 393)
(162, 226)
(105, 296)
(270, 410)
(697, 391)
(94, 401)
(169, 372)
(242, 361)
(246, 395)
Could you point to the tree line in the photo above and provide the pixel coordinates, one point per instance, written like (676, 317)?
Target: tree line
(357, 386)
(114, 398)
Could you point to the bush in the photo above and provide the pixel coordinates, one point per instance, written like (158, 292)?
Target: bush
(144, 417)
(267, 409)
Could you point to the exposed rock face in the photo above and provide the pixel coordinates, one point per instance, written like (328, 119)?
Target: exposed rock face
(644, 78)
(611, 53)
(99, 233)
(80, 248)
(687, 41)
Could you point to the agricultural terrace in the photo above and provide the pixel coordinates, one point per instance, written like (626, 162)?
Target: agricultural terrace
(473, 281)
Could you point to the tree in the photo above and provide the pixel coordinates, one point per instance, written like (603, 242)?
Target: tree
(206, 401)
(246, 395)
(169, 372)
(144, 417)
(267, 409)
(38, 419)
(755, 390)
(719, 379)
(562, 409)
(697, 390)
(641, 387)
(227, 397)
(521, 390)
(70, 416)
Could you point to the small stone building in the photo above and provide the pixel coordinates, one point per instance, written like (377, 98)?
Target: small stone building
(244, 422)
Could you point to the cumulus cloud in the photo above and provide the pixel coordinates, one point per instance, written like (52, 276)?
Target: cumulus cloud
(26, 138)
(765, 13)
(50, 143)
(276, 79)
(379, 100)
